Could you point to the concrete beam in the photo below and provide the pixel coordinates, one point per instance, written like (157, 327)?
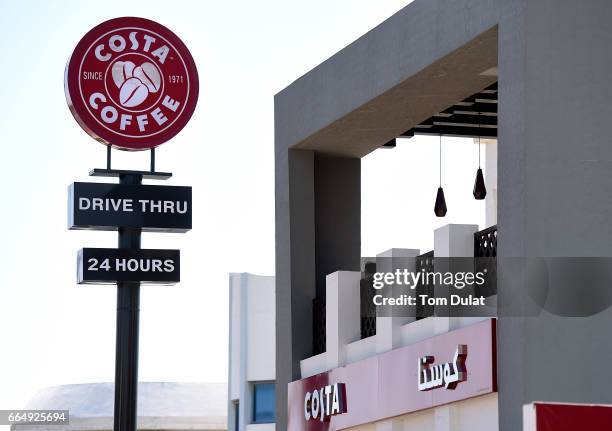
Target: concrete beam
(420, 61)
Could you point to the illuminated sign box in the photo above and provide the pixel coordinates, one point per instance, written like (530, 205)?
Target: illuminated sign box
(104, 206)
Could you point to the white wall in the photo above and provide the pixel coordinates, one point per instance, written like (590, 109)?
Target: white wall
(490, 174)
(475, 414)
(234, 337)
(251, 345)
(260, 327)
(260, 427)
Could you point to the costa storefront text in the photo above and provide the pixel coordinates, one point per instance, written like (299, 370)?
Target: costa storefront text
(447, 368)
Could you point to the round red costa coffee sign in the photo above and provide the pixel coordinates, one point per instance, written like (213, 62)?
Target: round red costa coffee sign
(131, 83)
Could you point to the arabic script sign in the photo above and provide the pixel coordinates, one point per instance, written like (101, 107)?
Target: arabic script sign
(447, 375)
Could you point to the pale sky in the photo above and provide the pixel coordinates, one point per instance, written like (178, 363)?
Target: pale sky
(53, 331)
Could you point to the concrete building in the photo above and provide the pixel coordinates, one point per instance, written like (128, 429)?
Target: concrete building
(161, 406)
(252, 363)
(377, 365)
(548, 63)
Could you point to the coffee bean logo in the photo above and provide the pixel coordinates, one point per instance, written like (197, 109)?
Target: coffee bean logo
(121, 71)
(131, 83)
(135, 82)
(132, 93)
(149, 75)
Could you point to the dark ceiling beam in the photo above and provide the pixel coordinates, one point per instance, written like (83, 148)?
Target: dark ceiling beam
(490, 89)
(461, 132)
(427, 123)
(486, 100)
(478, 98)
(484, 120)
(472, 117)
(483, 108)
(465, 103)
(460, 124)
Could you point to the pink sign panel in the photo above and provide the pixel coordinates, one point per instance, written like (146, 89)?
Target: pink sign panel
(443, 369)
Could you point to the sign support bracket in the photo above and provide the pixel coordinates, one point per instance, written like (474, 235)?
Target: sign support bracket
(110, 172)
(147, 175)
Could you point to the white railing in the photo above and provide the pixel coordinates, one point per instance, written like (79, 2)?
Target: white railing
(343, 321)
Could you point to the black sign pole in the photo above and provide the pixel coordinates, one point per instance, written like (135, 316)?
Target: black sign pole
(128, 292)
(128, 316)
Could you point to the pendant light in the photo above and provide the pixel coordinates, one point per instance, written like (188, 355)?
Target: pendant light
(480, 191)
(440, 206)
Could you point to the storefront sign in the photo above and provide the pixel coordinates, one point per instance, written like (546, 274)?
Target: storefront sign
(131, 83)
(443, 375)
(104, 206)
(388, 385)
(111, 265)
(327, 401)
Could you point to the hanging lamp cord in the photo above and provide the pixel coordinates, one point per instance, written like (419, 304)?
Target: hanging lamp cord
(479, 140)
(440, 167)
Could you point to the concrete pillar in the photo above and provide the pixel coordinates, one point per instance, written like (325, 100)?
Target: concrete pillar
(318, 231)
(337, 188)
(236, 351)
(390, 425)
(451, 240)
(295, 268)
(388, 327)
(342, 322)
(454, 240)
(245, 407)
(446, 418)
(554, 188)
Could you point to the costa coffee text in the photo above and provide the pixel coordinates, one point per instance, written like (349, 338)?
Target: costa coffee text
(131, 83)
(117, 44)
(325, 402)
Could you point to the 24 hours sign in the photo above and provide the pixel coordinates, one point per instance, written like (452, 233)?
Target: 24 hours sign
(111, 265)
(131, 83)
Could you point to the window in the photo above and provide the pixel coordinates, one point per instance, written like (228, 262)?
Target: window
(264, 400)
(236, 415)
